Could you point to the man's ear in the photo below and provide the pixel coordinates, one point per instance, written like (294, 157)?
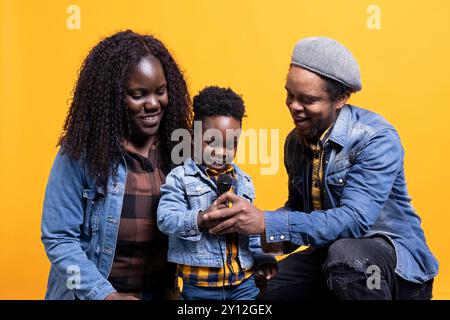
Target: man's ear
(342, 102)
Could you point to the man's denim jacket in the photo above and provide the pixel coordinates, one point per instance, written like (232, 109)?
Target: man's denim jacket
(188, 191)
(365, 194)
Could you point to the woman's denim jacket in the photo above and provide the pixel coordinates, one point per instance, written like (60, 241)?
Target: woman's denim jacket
(79, 229)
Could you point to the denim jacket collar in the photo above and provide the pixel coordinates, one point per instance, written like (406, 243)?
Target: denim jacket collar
(339, 133)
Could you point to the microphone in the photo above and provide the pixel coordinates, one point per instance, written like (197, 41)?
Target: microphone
(224, 184)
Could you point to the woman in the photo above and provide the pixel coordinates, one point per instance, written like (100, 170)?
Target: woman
(98, 224)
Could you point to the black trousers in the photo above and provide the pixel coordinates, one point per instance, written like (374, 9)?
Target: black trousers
(349, 269)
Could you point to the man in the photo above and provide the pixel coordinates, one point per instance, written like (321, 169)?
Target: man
(348, 198)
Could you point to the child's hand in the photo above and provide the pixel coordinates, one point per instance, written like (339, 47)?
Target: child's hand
(266, 271)
(202, 224)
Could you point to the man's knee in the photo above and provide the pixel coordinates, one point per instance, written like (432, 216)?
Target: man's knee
(344, 264)
(359, 254)
(352, 267)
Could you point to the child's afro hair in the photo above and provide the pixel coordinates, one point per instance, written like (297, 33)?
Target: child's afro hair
(215, 101)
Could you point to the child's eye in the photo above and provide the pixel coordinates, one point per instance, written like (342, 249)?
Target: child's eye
(210, 141)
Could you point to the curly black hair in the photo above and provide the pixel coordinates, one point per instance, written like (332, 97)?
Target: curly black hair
(216, 101)
(97, 121)
(336, 90)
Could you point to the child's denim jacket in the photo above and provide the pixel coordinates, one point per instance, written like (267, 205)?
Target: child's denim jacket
(188, 191)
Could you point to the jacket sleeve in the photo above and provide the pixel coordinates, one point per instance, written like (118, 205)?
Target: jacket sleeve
(174, 217)
(255, 244)
(368, 185)
(63, 214)
(258, 255)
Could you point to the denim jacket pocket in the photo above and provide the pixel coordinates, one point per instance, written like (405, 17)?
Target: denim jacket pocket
(199, 195)
(342, 162)
(336, 182)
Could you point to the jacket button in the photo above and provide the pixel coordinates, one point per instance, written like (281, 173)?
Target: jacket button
(282, 237)
(198, 188)
(340, 180)
(271, 238)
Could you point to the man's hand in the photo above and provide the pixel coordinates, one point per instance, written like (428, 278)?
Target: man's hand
(202, 224)
(242, 217)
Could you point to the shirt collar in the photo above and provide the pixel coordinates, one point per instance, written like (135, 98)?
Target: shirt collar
(323, 138)
(214, 173)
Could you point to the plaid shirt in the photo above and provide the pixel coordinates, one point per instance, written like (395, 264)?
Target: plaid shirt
(317, 169)
(232, 274)
(140, 261)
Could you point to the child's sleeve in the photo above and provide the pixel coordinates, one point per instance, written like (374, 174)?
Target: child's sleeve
(173, 215)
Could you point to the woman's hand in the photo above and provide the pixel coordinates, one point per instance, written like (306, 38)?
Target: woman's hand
(266, 271)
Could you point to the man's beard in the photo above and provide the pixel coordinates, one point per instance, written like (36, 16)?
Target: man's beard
(312, 134)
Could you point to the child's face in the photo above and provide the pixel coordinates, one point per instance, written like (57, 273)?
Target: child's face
(220, 141)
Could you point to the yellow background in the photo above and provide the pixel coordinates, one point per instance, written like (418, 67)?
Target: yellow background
(243, 44)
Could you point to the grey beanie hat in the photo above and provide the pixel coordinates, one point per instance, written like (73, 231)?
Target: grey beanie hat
(328, 58)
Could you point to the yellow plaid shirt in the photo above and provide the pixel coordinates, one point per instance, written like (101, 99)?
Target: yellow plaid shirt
(317, 169)
(232, 274)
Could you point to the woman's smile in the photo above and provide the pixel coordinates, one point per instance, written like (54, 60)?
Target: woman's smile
(151, 120)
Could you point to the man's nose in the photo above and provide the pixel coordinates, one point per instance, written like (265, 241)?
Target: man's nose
(295, 106)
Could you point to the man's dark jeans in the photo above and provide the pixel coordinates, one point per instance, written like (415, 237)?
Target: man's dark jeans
(348, 270)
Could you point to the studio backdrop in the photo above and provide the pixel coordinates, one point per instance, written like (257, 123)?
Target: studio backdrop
(402, 47)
